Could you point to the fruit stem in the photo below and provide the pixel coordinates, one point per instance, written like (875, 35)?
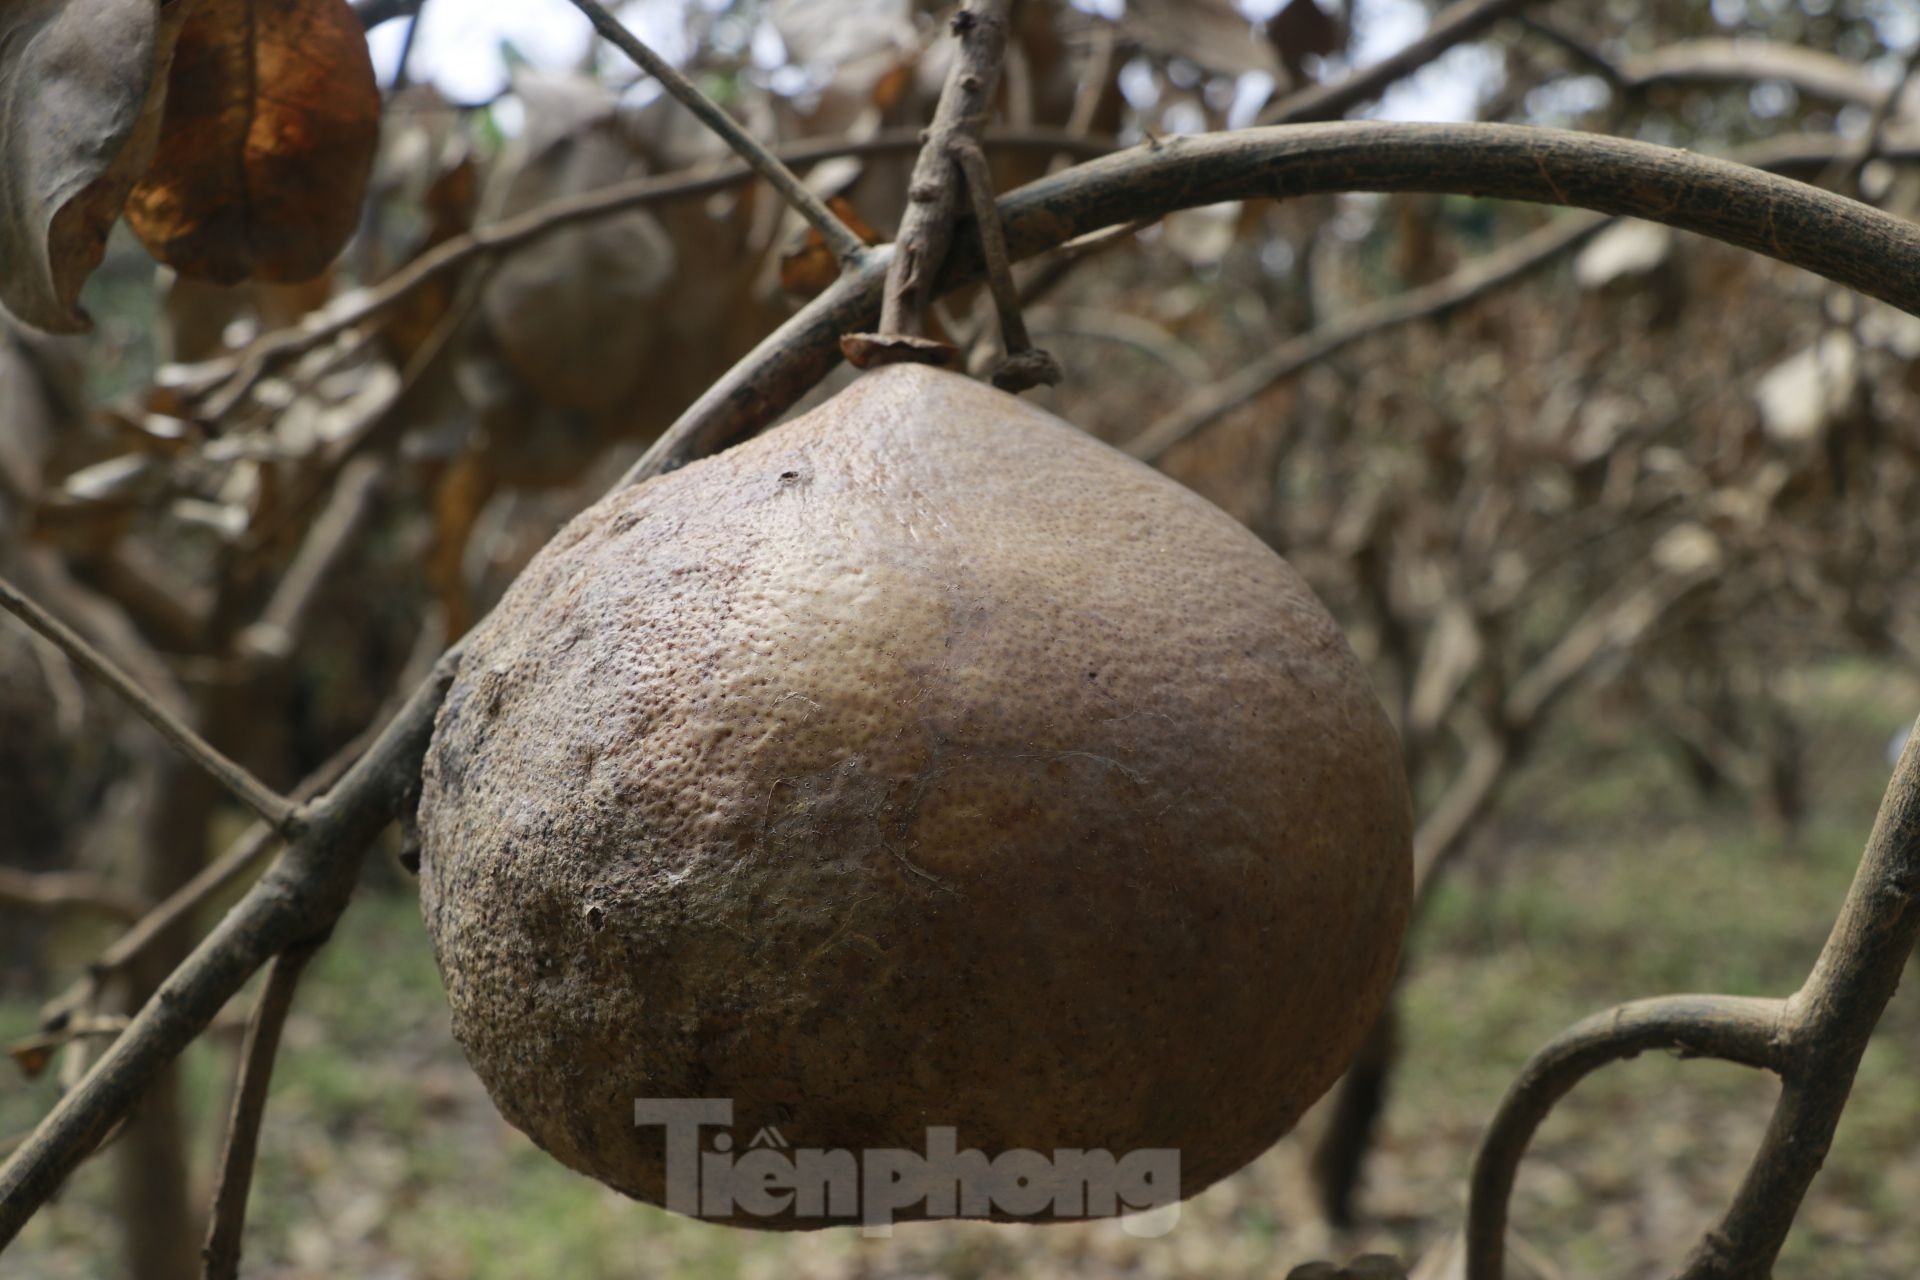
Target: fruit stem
(933, 195)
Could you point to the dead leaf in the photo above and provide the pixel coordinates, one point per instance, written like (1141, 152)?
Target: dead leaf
(1211, 33)
(808, 270)
(1803, 395)
(272, 118)
(857, 42)
(1302, 29)
(1628, 250)
(33, 1055)
(862, 58)
(890, 88)
(81, 86)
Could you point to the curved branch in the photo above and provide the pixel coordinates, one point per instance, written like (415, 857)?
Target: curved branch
(1846, 241)
(1720, 61)
(1831, 1019)
(1811, 155)
(1730, 1028)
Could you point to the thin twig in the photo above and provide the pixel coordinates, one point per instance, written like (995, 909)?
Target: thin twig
(272, 634)
(1126, 329)
(227, 1220)
(1583, 52)
(839, 237)
(66, 890)
(379, 423)
(1481, 276)
(1094, 79)
(252, 843)
(401, 63)
(1853, 166)
(239, 782)
(1456, 23)
(373, 13)
(1024, 365)
(1062, 261)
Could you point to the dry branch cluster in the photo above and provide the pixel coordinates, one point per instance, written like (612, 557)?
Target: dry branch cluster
(1596, 496)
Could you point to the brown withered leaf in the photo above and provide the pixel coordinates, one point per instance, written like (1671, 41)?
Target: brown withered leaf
(271, 122)
(1211, 33)
(893, 86)
(808, 270)
(32, 1055)
(81, 86)
(1300, 29)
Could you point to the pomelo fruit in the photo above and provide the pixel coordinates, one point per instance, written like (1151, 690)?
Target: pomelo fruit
(923, 762)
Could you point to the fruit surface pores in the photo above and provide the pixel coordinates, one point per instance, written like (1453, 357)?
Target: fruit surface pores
(923, 762)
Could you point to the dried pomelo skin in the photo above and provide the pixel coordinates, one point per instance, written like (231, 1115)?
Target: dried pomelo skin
(922, 762)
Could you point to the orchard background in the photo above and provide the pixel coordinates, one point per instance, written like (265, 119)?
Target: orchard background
(1621, 518)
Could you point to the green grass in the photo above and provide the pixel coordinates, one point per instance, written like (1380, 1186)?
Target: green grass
(1604, 879)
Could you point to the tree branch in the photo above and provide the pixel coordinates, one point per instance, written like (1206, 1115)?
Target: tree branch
(1022, 365)
(1845, 174)
(846, 246)
(1483, 275)
(374, 13)
(220, 384)
(298, 897)
(228, 1219)
(239, 782)
(64, 890)
(1715, 61)
(254, 842)
(1845, 241)
(272, 635)
(1476, 279)
(1813, 1041)
(1828, 1024)
(1457, 23)
(1730, 1028)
